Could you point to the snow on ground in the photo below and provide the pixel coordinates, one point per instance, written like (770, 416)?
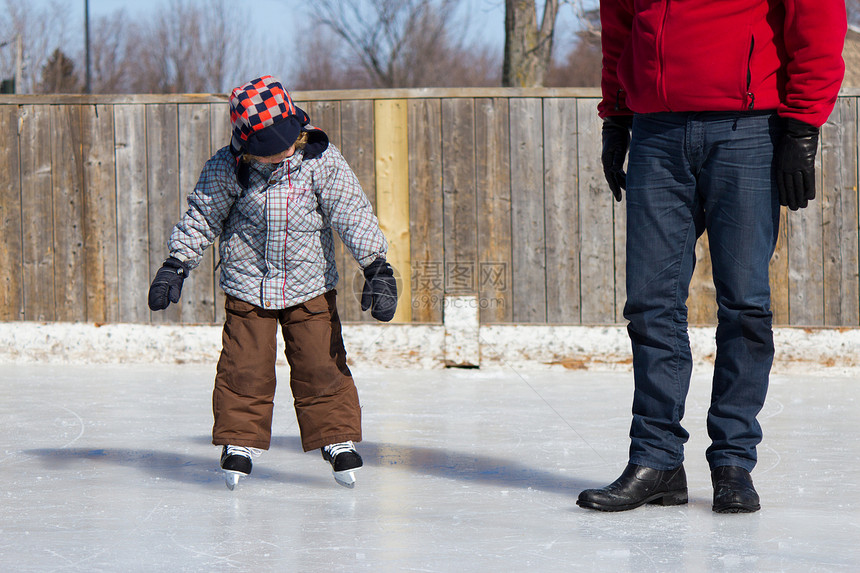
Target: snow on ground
(833, 351)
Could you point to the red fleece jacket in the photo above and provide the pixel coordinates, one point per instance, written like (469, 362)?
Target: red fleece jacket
(722, 55)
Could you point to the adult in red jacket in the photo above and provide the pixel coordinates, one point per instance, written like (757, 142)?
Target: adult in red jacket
(725, 100)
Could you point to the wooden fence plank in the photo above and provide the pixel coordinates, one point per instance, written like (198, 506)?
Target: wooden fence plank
(596, 226)
(562, 212)
(37, 213)
(392, 193)
(779, 297)
(528, 211)
(198, 292)
(326, 116)
(839, 204)
(162, 177)
(219, 132)
(100, 240)
(11, 256)
(619, 218)
(805, 262)
(133, 270)
(619, 222)
(425, 209)
(495, 240)
(357, 132)
(702, 296)
(67, 190)
(459, 199)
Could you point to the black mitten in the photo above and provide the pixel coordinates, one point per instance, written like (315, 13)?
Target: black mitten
(167, 284)
(380, 290)
(616, 140)
(795, 164)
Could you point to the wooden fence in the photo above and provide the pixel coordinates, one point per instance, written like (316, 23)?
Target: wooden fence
(489, 192)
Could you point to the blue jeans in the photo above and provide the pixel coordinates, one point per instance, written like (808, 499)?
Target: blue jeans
(688, 172)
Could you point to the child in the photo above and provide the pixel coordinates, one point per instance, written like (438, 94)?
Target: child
(273, 196)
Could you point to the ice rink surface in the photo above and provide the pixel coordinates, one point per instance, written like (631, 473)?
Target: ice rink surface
(110, 468)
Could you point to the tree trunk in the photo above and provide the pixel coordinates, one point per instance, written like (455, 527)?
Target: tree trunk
(528, 49)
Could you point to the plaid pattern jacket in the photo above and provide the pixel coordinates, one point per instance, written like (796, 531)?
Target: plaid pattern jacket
(276, 245)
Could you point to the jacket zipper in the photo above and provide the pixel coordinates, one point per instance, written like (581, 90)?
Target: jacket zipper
(661, 80)
(287, 232)
(750, 95)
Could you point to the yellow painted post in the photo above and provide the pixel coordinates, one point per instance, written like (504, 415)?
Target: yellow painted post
(392, 193)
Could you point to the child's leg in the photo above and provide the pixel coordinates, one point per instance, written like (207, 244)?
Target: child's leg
(244, 393)
(326, 399)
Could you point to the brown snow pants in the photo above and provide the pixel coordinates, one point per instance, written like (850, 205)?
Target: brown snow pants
(324, 394)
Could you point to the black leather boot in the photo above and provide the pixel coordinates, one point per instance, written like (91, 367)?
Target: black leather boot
(637, 486)
(733, 490)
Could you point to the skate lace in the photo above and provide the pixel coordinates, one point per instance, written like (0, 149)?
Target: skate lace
(339, 448)
(244, 451)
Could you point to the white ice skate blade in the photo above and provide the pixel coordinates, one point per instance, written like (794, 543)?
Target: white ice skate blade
(345, 478)
(232, 478)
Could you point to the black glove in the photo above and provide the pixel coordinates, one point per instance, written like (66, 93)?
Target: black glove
(795, 164)
(167, 284)
(616, 139)
(380, 290)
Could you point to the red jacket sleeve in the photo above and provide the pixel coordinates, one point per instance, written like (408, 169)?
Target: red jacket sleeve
(814, 36)
(616, 22)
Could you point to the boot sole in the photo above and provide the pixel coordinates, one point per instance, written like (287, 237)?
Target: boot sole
(736, 508)
(666, 498)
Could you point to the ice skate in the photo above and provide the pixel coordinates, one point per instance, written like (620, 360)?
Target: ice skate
(236, 463)
(344, 462)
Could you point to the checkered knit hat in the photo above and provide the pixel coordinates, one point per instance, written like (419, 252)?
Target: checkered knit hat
(265, 119)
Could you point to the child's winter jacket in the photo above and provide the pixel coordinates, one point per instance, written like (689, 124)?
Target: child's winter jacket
(276, 243)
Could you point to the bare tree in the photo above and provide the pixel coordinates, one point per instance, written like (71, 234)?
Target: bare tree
(109, 49)
(189, 47)
(221, 46)
(406, 43)
(42, 30)
(325, 65)
(582, 68)
(528, 48)
(479, 68)
(59, 76)
(584, 63)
